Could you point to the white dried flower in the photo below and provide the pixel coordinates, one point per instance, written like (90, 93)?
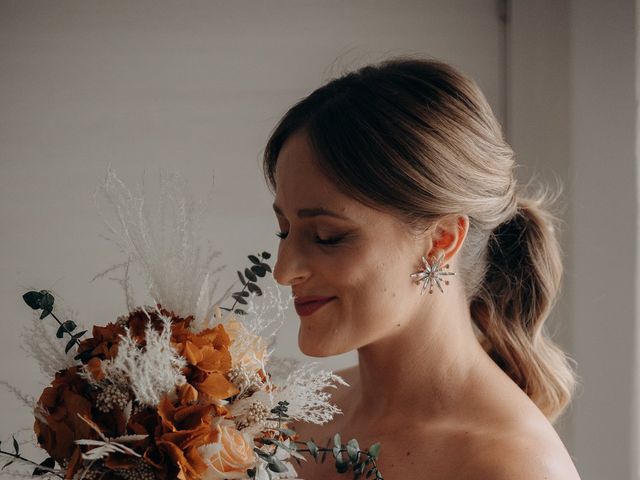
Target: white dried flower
(43, 345)
(152, 371)
(164, 246)
(304, 389)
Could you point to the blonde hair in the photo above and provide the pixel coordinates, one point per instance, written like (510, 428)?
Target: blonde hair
(417, 138)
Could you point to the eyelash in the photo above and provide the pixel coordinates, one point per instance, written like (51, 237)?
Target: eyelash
(327, 241)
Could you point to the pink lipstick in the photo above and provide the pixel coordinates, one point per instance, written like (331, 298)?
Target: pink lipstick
(307, 305)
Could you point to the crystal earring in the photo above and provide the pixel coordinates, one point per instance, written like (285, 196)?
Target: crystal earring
(432, 273)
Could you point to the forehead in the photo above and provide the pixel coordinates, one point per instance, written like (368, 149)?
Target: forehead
(301, 184)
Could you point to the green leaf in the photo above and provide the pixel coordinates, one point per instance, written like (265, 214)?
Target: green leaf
(239, 311)
(352, 450)
(275, 465)
(337, 441)
(67, 326)
(263, 455)
(239, 299)
(48, 463)
(16, 447)
(32, 299)
(70, 345)
(253, 288)
(259, 270)
(374, 450)
(46, 301)
(250, 275)
(79, 334)
(313, 449)
(254, 259)
(266, 267)
(287, 431)
(266, 255)
(341, 465)
(242, 280)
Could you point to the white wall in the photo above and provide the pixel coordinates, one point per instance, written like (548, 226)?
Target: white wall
(573, 111)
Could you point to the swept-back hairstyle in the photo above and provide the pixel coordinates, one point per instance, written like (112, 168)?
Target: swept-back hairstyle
(417, 138)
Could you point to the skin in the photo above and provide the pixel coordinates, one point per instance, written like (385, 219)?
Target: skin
(423, 386)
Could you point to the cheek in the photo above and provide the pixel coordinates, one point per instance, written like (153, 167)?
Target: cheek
(381, 295)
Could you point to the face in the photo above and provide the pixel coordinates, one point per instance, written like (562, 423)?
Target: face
(334, 246)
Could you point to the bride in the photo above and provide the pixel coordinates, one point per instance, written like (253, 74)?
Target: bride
(404, 236)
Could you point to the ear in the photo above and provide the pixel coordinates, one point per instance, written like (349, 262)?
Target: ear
(449, 234)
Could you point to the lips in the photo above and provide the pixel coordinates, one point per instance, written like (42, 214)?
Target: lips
(307, 305)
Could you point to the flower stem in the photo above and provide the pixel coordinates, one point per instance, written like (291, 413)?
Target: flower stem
(75, 340)
(26, 460)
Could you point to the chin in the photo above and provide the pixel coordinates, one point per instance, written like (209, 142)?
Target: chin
(312, 346)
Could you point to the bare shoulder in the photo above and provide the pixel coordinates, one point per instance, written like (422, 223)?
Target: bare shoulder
(522, 454)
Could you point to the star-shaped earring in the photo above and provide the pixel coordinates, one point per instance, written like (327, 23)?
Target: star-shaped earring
(432, 273)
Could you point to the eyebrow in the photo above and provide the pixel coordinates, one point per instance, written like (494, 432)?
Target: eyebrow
(311, 212)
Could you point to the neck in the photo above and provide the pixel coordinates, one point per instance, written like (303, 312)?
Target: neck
(429, 365)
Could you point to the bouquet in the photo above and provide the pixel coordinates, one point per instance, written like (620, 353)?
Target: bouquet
(183, 388)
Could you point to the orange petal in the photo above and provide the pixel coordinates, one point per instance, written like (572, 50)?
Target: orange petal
(192, 353)
(187, 394)
(217, 387)
(215, 360)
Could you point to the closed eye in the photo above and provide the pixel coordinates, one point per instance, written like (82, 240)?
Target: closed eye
(321, 241)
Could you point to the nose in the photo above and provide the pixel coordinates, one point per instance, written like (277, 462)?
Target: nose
(291, 266)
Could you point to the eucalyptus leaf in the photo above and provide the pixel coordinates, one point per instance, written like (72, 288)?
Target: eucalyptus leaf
(67, 326)
(16, 446)
(250, 275)
(276, 465)
(313, 449)
(352, 450)
(341, 465)
(79, 334)
(241, 277)
(337, 453)
(266, 255)
(45, 313)
(259, 270)
(255, 260)
(61, 331)
(287, 431)
(240, 300)
(253, 288)
(266, 267)
(32, 299)
(374, 450)
(239, 311)
(70, 345)
(48, 463)
(46, 301)
(7, 464)
(337, 441)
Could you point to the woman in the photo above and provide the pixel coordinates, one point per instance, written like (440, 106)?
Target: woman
(404, 236)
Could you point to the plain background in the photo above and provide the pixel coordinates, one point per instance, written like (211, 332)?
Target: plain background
(197, 87)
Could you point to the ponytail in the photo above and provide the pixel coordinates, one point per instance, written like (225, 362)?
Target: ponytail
(514, 300)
